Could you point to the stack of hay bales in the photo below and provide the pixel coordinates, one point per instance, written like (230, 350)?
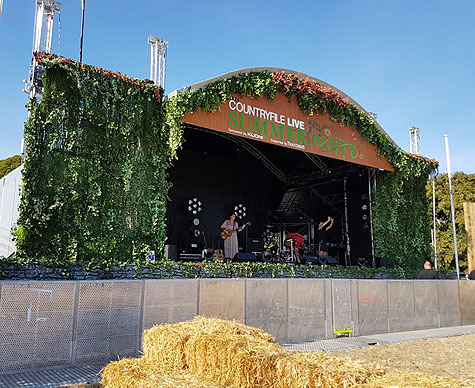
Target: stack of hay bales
(214, 353)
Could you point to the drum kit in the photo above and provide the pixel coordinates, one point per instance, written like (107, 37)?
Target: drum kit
(288, 254)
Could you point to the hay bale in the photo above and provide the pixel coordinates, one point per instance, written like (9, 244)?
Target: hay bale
(140, 373)
(240, 356)
(166, 343)
(205, 350)
(126, 372)
(312, 369)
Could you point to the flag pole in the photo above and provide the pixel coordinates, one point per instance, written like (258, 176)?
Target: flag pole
(452, 210)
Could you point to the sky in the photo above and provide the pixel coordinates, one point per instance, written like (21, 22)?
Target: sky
(411, 62)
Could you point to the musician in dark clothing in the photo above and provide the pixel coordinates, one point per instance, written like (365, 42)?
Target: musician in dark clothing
(428, 272)
(323, 227)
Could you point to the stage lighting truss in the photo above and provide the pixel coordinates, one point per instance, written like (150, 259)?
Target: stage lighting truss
(195, 206)
(240, 211)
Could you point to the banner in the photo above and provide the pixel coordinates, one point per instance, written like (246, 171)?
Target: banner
(281, 122)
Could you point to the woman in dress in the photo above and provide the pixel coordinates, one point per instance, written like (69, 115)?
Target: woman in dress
(231, 242)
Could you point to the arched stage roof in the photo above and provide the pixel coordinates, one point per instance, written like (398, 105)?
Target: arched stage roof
(300, 75)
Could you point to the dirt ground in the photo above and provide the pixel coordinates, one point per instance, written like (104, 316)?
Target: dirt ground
(446, 357)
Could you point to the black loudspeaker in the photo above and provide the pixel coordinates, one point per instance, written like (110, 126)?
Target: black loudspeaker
(244, 257)
(311, 260)
(255, 244)
(328, 260)
(170, 252)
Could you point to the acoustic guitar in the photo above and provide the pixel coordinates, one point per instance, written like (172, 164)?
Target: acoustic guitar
(218, 255)
(228, 232)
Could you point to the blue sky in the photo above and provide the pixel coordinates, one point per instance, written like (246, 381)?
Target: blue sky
(411, 62)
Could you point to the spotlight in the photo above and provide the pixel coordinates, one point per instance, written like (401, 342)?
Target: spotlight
(196, 232)
(240, 210)
(195, 205)
(364, 217)
(364, 207)
(196, 221)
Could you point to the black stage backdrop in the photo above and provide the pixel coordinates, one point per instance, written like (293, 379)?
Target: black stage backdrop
(221, 176)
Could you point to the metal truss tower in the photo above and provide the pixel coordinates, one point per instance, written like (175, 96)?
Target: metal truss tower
(158, 59)
(42, 39)
(414, 140)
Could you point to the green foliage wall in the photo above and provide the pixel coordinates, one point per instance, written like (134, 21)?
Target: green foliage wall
(464, 191)
(94, 173)
(9, 164)
(399, 206)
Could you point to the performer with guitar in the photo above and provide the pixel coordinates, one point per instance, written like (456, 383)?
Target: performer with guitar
(229, 230)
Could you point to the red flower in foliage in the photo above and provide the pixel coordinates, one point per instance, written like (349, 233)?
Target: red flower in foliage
(422, 158)
(307, 86)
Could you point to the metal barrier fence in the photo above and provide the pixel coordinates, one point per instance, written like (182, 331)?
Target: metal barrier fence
(56, 323)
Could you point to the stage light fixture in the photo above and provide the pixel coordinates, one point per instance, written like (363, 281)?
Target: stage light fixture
(364, 217)
(196, 221)
(364, 207)
(240, 211)
(195, 205)
(196, 232)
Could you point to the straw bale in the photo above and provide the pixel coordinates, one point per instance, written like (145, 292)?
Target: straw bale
(166, 343)
(125, 373)
(140, 373)
(211, 353)
(241, 356)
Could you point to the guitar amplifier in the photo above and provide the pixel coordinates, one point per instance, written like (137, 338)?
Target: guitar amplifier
(255, 244)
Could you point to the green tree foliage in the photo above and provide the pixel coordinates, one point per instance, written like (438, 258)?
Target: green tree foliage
(464, 191)
(9, 164)
(94, 175)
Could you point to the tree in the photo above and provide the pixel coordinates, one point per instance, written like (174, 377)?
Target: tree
(464, 191)
(9, 164)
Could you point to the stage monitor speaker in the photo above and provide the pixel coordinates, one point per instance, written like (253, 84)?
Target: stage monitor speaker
(244, 257)
(170, 252)
(311, 260)
(328, 260)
